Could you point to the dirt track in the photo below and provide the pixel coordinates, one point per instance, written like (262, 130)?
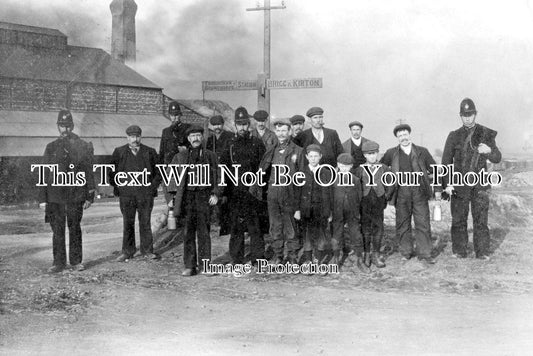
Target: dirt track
(144, 307)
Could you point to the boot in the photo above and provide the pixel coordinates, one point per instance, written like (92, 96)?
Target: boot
(367, 259)
(376, 261)
(361, 264)
(335, 260)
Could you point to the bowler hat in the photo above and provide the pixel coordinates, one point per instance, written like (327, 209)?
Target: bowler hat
(401, 127)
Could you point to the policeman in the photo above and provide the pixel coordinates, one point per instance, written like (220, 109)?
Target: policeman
(245, 151)
(173, 138)
(195, 201)
(135, 198)
(468, 149)
(72, 155)
(297, 124)
(354, 144)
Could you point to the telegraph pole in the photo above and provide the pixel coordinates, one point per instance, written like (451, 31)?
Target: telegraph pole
(263, 93)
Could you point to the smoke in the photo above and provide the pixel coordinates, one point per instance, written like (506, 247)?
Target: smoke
(83, 23)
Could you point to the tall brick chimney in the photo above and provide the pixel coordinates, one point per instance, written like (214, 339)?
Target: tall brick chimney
(123, 33)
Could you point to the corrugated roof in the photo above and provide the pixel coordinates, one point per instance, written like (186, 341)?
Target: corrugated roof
(32, 29)
(74, 64)
(26, 133)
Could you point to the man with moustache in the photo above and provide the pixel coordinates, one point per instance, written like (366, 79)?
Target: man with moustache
(245, 151)
(411, 202)
(327, 139)
(195, 201)
(173, 138)
(133, 198)
(71, 155)
(261, 131)
(281, 200)
(297, 125)
(218, 139)
(354, 144)
(468, 149)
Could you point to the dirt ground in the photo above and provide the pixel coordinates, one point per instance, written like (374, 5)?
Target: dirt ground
(457, 306)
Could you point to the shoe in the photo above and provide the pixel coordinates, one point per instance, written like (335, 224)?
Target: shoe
(152, 256)
(123, 258)
(429, 260)
(276, 260)
(376, 261)
(406, 257)
(458, 255)
(361, 265)
(483, 257)
(188, 272)
(55, 269)
(79, 267)
(137, 254)
(367, 259)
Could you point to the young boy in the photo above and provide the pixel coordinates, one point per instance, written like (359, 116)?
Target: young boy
(314, 207)
(346, 210)
(373, 203)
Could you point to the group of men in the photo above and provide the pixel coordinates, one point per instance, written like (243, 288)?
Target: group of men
(308, 223)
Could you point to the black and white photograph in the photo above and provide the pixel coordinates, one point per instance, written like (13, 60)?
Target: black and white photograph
(252, 177)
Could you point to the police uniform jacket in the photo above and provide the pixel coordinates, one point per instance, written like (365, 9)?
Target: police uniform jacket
(356, 152)
(125, 161)
(421, 161)
(247, 152)
(172, 137)
(461, 151)
(305, 194)
(331, 144)
(64, 152)
(184, 158)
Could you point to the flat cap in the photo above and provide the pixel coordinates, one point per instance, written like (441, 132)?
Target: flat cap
(260, 115)
(194, 129)
(345, 158)
(297, 119)
(401, 127)
(133, 130)
(315, 110)
(281, 122)
(64, 118)
(369, 146)
(216, 120)
(313, 147)
(174, 108)
(355, 123)
(241, 116)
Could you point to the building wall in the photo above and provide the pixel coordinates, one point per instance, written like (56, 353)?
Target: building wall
(43, 95)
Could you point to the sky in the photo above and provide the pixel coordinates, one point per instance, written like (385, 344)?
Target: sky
(380, 60)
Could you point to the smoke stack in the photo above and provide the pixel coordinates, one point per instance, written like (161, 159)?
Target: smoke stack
(123, 33)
